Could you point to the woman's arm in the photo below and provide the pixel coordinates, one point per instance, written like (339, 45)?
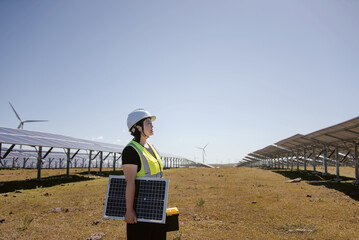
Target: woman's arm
(130, 171)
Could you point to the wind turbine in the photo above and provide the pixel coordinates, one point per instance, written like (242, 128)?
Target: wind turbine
(21, 125)
(203, 151)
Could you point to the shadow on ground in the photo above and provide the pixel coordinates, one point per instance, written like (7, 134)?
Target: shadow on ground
(346, 186)
(12, 186)
(101, 174)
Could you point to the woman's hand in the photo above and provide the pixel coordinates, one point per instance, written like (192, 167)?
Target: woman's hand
(130, 216)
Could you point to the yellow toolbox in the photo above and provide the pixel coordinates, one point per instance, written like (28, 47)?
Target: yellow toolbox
(172, 219)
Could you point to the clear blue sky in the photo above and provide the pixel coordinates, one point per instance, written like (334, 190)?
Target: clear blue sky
(239, 75)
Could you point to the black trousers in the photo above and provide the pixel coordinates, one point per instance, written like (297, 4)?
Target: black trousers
(146, 231)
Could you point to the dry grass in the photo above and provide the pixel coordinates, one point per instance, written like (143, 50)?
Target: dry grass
(224, 203)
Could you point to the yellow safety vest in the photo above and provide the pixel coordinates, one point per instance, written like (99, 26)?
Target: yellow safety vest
(150, 166)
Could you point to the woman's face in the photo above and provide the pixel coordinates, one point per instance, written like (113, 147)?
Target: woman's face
(148, 127)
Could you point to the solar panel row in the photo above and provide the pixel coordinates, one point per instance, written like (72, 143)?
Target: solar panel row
(39, 140)
(334, 144)
(33, 138)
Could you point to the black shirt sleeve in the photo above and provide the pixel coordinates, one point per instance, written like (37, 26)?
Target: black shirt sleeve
(130, 156)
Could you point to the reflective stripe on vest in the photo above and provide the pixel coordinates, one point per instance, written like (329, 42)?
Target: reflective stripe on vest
(145, 163)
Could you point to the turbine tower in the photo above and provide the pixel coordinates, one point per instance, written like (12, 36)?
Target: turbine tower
(203, 151)
(21, 125)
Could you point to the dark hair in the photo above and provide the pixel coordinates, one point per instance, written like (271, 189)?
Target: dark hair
(135, 132)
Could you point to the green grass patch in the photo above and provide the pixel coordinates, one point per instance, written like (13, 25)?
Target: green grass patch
(211, 206)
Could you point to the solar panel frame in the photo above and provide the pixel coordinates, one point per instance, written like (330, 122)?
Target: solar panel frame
(145, 205)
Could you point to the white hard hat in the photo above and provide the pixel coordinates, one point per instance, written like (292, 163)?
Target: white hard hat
(138, 115)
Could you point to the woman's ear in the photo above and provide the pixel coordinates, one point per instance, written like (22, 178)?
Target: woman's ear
(139, 128)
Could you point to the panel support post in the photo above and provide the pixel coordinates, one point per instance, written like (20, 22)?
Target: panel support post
(39, 163)
(314, 161)
(101, 160)
(337, 178)
(68, 163)
(356, 182)
(287, 160)
(291, 162)
(325, 164)
(298, 160)
(90, 160)
(305, 160)
(23, 163)
(114, 162)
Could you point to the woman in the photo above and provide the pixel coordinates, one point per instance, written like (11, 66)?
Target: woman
(140, 159)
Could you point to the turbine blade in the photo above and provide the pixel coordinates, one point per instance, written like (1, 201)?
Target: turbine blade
(19, 126)
(206, 145)
(17, 115)
(35, 121)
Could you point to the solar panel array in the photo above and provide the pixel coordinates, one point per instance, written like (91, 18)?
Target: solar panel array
(18, 137)
(150, 199)
(344, 135)
(33, 138)
(335, 144)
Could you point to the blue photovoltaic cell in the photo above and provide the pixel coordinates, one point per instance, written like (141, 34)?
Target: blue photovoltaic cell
(150, 199)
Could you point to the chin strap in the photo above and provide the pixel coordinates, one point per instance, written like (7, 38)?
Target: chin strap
(143, 134)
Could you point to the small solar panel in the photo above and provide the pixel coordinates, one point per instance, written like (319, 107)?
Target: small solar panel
(150, 199)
